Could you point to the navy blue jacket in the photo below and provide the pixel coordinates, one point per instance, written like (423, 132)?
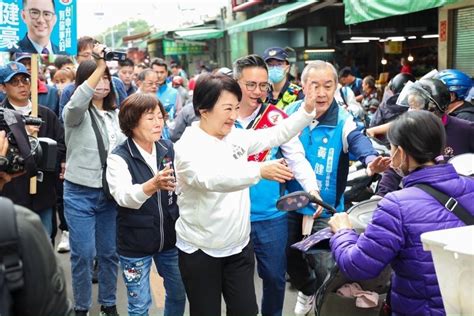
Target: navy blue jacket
(26, 46)
(150, 229)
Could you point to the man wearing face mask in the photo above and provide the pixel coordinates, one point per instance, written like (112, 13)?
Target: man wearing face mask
(282, 91)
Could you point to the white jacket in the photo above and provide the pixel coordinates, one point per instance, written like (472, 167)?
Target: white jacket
(213, 177)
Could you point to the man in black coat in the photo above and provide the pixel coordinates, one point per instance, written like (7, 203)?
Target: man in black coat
(16, 83)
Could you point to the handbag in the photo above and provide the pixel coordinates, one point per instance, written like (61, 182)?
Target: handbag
(102, 155)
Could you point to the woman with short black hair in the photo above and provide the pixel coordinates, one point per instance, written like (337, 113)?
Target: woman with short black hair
(213, 174)
(140, 178)
(417, 140)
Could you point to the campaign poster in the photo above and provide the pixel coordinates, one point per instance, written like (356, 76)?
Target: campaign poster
(38, 26)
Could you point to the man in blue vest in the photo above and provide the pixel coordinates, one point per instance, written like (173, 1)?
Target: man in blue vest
(168, 95)
(269, 227)
(327, 142)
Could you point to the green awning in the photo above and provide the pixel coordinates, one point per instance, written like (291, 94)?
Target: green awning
(356, 11)
(157, 36)
(270, 18)
(200, 34)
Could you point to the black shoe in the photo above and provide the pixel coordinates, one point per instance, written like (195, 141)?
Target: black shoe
(95, 272)
(108, 311)
(81, 313)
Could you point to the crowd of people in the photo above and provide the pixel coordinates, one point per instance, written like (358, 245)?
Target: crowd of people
(153, 166)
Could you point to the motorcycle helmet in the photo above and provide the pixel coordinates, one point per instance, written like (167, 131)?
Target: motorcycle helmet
(425, 94)
(457, 82)
(398, 82)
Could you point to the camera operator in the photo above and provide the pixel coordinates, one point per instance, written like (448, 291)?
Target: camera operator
(15, 80)
(43, 292)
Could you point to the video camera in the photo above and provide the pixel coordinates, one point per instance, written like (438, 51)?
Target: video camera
(114, 55)
(25, 153)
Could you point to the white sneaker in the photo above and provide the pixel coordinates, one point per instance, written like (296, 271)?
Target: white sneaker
(63, 245)
(304, 304)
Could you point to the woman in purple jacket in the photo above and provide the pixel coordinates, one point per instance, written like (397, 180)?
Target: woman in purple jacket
(417, 138)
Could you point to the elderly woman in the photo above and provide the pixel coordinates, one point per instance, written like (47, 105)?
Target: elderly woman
(417, 138)
(213, 174)
(140, 177)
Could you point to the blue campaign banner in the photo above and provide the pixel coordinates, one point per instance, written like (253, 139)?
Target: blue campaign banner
(38, 26)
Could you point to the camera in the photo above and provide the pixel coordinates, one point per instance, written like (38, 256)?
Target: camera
(114, 55)
(25, 153)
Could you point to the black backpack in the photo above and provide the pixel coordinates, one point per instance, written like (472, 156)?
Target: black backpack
(31, 281)
(11, 265)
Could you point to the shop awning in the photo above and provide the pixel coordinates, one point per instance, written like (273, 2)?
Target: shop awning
(200, 34)
(156, 36)
(356, 11)
(270, 18)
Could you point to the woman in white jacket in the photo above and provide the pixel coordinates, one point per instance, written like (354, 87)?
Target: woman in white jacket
(213, 176)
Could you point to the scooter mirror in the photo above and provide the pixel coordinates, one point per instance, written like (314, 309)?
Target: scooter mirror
(299, 199)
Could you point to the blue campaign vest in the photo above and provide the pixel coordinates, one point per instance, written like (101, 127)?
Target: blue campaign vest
(323, 146)
(167, 96)
(264, 194)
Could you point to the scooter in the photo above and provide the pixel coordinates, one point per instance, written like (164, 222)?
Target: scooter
(316, 247)
(360, 186)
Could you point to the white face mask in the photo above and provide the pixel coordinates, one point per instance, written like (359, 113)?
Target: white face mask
(399, 170)
(102, 90)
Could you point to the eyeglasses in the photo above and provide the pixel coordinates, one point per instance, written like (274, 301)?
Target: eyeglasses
(16, 81)
(151, 83)
(252, 85)
(35, 14)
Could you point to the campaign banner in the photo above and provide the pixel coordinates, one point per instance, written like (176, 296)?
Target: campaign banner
(270, 117)
(38, 26)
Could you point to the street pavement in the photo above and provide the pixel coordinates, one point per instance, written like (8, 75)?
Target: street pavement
(158, 292)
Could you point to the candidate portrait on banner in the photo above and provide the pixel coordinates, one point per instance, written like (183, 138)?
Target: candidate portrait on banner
(38, 26)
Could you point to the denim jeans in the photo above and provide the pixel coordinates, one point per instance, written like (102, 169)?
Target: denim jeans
(92, 231)
(136, 275)
(269, 239)
(46, 217)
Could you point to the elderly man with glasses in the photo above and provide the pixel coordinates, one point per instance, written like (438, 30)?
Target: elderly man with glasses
(40, 18)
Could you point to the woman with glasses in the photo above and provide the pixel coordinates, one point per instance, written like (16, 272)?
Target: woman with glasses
(39, 17)
(213, 176)
(89, 214)
(417, 139)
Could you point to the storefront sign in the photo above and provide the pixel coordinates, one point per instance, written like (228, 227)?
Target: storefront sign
(171, 47)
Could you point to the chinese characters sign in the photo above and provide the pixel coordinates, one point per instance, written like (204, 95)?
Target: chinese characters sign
(38, 26)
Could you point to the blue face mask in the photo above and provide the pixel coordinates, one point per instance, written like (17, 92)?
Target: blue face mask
(276, 74)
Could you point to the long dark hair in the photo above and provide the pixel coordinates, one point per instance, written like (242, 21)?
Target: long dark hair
(85, 70)
(420, 133)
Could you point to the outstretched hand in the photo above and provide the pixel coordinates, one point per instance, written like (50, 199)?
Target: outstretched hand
(319, 208)
(276, 170)
(310, 100)
(378, 165)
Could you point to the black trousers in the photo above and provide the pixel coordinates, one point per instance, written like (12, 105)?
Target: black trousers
(303, 276)
(207, 278)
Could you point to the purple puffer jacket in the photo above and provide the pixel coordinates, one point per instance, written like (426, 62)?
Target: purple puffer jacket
(394, 238)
